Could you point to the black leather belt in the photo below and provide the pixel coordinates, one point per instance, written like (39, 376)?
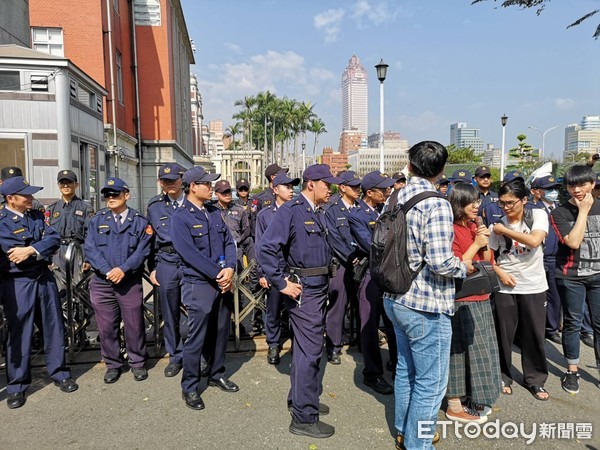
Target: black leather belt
(307, 272)
(168, 248)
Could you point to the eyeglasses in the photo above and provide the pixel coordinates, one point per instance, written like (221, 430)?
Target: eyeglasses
(507, 205)
(203, 183)
(112, 194)
(476, 203)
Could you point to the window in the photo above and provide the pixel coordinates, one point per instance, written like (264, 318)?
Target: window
(10, 80)
(39, 83)
(119, 78)
(147, 12)
(116, 6)
(48, 40)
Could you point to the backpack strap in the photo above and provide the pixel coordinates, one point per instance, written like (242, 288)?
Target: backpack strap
(419, 197)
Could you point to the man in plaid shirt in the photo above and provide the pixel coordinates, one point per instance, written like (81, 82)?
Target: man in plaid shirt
(421, 317)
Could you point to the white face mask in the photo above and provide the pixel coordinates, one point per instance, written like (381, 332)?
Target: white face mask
(551, 195)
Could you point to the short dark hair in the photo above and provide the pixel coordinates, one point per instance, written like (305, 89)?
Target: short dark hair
(579, 174)
(516, 187)
(460, 196)
(427, 158)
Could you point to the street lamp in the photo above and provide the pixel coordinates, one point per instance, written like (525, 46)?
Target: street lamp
(381, 74)
(303, 156)
(503, 120)
(543, 133)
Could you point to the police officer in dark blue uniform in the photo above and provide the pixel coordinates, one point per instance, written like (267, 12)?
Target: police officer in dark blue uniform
(344, 248)
(69, 216)
(26, 247)
(483, 181)
(370, 298)
(298, 230)
(283, 187)
(442, 185)
(243, 199)
(266, 198)
(117, 244)
(164, 261)
(11, 172)
(399, 180)
(492, 213)
(207, 251)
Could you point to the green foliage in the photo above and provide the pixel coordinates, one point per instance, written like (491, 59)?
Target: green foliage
(523, 157)
(462, 155)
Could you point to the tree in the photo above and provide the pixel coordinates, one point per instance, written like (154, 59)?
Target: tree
(541, 5)
(462, 155)
(523, 157)
(317, 127)
(233, 131)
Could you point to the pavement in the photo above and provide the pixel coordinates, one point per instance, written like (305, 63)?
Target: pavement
(151, 414)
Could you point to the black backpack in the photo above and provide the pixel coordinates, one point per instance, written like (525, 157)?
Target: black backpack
(389, 258)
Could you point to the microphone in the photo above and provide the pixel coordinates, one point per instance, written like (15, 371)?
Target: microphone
(479, 222)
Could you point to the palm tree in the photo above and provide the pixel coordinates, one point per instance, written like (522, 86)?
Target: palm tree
(317, 126)
(233, 131)
(248, 103)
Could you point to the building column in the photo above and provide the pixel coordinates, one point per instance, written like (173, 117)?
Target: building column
(63, 122)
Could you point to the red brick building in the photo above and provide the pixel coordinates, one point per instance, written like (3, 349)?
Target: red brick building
(336, 161)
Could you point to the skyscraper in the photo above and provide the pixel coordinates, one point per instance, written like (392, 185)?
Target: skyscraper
(354, 97)
(463, 137)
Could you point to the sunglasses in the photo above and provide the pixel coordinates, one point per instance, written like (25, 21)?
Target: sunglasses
(111, 194)
(243, 189)
(203, 183)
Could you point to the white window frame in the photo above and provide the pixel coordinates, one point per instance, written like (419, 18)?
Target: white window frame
(52, 43)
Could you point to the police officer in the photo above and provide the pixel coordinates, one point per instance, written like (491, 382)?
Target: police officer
(344, 248)
(370, 304)
(69, 216)
(164, 262)
(483, 180)
(442, 185)
(10, 172)
(207, 251)
(266, 198)
(26, 247)
(283, 187)
(117, 244)
(492, 213)
(234, 216)
(242, 187)
(399, 180)
(298, 231)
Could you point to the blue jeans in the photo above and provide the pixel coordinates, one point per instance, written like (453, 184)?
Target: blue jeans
(573, 294)
(423, 341)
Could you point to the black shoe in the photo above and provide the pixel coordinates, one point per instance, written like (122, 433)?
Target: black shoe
(172, 370)
(193, 400)
(273, 355)
(555, 338)
(323, 409)
(316, 430)
(139, 373)
(204, 369)
(224, 384)
(67, 385)
(334, 358)
(15, 400)
(379, 385)
(112, 375)
(587, 339)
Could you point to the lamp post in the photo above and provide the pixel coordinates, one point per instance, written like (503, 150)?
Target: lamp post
(503, 120)
(381, 74)
(543, 133)
(303, 156)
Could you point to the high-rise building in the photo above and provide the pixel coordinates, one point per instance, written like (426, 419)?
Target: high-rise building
(355, 97)
(590, 123)
(463, 137)
(335, 160)
(492, 156)
(583, 137)
(350, 140)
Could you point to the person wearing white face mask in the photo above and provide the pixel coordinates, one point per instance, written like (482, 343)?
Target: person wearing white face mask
(545, 191)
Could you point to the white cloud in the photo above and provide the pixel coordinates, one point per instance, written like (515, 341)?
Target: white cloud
(375, 13)
(234, 47)
(330, 23)
(564, 103)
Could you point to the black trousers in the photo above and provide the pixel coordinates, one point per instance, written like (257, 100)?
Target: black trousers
(527, 312)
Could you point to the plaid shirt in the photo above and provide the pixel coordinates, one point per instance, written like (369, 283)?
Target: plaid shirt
(430, 236)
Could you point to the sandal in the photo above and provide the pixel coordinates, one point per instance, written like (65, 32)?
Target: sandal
(506, 389)
(536, 391)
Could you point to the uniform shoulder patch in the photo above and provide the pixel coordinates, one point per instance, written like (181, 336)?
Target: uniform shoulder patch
(149, 230)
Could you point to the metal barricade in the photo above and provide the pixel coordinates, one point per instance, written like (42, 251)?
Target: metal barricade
(255, 300)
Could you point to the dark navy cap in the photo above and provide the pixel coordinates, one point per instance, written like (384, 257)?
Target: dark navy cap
(399, 176)
(10, 172)
(320, 172)
(114, 184)
(197, 173)
(66, 175)
(513, 175)
(376, 180)
(242, 183)
(18, 185)
(350, 178)
(482, 171)
(222, 186)
(170, 171)
(274, 169)
(443, 180)
(545, 182)
(282, 178)
(462, 176)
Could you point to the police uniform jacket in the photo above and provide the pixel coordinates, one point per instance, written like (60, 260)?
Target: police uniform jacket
(486, 199)
(251, 211)
(237, 221)
(160, 210)
(70, 219)
(29, 230)
(551, 241)
(299, 234)
(265, 199)
(263, 220)
(340, 237)
(127, 248)
(200, 236)
(362, 222)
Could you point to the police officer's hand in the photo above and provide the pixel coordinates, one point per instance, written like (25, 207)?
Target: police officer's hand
(292, 289)
(224, 279)
(19, 254)
(153, 278)
(86, 266)
(116, 275)
(263, 283)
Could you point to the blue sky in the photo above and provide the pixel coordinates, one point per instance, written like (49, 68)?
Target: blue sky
(450, 61)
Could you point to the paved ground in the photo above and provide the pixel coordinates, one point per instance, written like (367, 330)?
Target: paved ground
(151, 414)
